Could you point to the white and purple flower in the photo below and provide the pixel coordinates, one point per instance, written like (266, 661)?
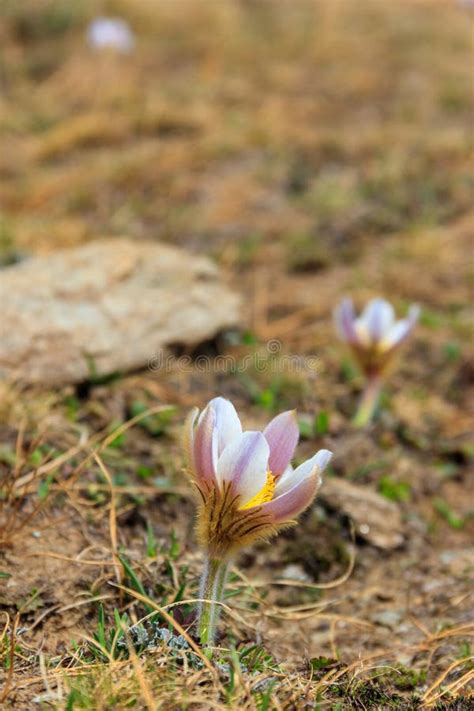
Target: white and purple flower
(247, 486)
(111, 33)
(376, 334)
(375, 338)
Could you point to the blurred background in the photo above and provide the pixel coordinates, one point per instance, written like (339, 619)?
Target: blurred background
(311, 149)
(301, 133)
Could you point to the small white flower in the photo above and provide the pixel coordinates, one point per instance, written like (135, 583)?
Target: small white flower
(111, 32)
(374, 335)
(375, 338)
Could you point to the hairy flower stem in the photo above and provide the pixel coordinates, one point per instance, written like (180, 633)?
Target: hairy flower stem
(368, 403)
(212, 590)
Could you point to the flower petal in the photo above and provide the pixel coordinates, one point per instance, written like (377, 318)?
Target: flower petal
(306, 482)
(285, 481)
(282, 434)
(402, 329)
(188, 439)
(377, 319)
(293, 477)
(244, 463)
(227, 422)
(288, 505)
(205, 446)
(344, 318)
(322, 459)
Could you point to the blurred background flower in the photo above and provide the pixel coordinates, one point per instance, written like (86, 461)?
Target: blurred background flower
(110, 32)
(375, 338)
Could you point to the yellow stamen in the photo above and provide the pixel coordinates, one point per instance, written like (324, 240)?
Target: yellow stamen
(265, 494)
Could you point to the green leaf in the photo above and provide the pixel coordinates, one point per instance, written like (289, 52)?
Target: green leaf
(266, 399)
(144, 472)
(317, 663)
(452, 351)
(174, 549)
(321, 422)
(348, 371)
(135, 582)
(44, 487)
(151, 549)
(73, 696)
(100, 634)
(249, 338)
(431, 319)
(452, 518)
(72, 407)
(118, 441)
(394, 490)
(36, 457)
(305, 428)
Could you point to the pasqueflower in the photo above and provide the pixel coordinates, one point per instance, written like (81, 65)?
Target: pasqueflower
(247, 488)
(375, 338)
(111, 33)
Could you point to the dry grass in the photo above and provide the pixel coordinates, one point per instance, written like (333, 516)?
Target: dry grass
(311, 148)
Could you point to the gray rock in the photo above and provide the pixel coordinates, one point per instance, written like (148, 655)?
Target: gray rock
(111, 305)
(376, 519)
